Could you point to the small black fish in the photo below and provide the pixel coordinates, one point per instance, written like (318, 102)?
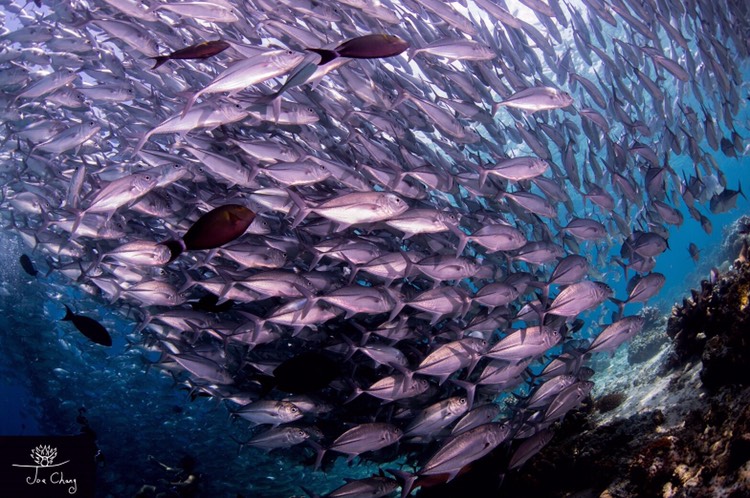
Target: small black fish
(89, 327)
(28, 265)
(695, 253)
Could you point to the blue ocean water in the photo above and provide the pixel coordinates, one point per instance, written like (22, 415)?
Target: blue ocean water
(51, 374)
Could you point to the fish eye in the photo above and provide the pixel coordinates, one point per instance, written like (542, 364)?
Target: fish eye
(91, 123)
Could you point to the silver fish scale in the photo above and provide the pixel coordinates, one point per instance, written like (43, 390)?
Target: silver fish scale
(379, 185)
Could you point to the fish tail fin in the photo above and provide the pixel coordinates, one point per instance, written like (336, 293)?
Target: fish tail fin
(354, 395)
(355, 271)
(159, 60)
(51, 265)
(266, 99)
(396, 308)
(483, 177)
(409, 263)
(144, 322)
(620, 307)
(320, 453)
(189, 104)
(624, 267)
(141, 143)
(240, 443)
(302, 208)
(411, 53)
(352, 347)
(309, 493)
(406, 480)
(463, 239)
(326, 55)
(69, 315)
(76, 224)
(310, 299)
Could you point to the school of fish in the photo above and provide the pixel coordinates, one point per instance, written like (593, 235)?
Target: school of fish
(387, 214)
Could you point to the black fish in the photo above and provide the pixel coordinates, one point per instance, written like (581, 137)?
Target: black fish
(201, 50)
(89, 327)
(305, 373)
(28, 265)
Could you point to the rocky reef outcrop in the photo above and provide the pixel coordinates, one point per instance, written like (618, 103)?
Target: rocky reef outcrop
(676, 422)
(703, 452)
(713, 325)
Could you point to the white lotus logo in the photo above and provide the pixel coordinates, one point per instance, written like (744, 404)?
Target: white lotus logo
(43, 455)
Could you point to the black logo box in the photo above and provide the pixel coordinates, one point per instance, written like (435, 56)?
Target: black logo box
(71, 472)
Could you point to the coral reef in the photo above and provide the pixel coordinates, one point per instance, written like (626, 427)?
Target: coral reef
(707, 454)
(734, 235)
(610, 401)
(713, 325)
(677, 424)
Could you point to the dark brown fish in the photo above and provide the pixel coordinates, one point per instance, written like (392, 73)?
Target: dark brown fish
(201, 50)
(213, 229)
(364, 47)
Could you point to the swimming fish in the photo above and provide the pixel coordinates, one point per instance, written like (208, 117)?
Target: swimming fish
(28, 265)
(373, 46)
(214, 229)
(202, 50)
(89, 327)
